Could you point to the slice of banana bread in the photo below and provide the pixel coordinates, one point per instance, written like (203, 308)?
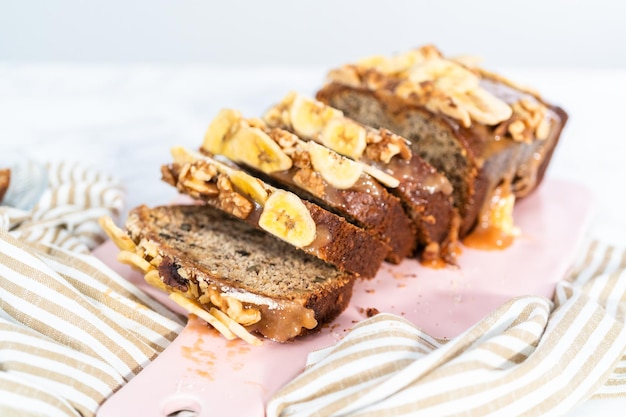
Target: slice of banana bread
(425, 193)
(221, 262)
(315, 173)
(303, 224)
(492, 138)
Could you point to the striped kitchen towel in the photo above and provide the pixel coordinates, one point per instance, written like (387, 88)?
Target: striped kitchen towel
(72, 331)
(530, 357)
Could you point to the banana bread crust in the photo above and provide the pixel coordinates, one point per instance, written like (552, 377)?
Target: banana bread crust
(210, 246)
(339, 242)
(486, 162)
(425, 193)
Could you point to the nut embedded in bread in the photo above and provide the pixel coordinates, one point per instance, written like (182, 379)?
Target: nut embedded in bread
(303, 224)
(220, 262)
(491, 137)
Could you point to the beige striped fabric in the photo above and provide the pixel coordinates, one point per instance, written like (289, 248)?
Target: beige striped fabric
(531, 357)
(67, 213)
(72, 331)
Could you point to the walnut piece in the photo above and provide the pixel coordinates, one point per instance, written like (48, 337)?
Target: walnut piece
(529, 121)
(231, 201)
(383, 145)
(197, 179)
(424, 77)
(287, 141)
(311, 181)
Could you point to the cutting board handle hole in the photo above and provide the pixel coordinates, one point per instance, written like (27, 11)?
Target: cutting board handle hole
(181, 406)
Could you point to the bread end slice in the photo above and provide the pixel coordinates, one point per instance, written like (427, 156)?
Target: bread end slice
(218, 261)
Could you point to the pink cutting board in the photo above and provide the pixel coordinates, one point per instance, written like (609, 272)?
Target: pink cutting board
(202, 372)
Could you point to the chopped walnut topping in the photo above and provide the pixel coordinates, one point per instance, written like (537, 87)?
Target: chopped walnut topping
(231, 201)
(384, 145)
(529, 121)
(311, 181)
(203, 171)
(516, 130)
(286, 140)
(375, 80)
(302, 159)
(423, 76)
(196, 178)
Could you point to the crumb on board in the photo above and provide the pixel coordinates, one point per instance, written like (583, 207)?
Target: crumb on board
(369, 311)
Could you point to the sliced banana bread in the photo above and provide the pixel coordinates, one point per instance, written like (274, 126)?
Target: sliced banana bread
(315, 173)
(303, 224)
(425, 193)
(492, 138)
(259, 281)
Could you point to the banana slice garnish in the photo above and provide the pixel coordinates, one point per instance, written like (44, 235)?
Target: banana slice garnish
(254, 147)
(456, 82)
(345, 137)
(245, 183)
(484, 107)
(447, 75)
(340, 172)
(230, 135)
(381, 176)
(286, 217)
(308, 117)
(250, 186)
(222, 125)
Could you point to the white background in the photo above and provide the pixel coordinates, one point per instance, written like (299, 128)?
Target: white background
(512, 33)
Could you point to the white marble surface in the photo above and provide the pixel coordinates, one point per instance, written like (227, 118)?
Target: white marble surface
(124, 119)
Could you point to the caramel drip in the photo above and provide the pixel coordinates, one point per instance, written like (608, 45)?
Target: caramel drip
(408, 171)
(322, 238)
(368, 185)
(436, 263)
(284, 322)
(495, 229)
(435, 183)
(281, 320)
(488, 238)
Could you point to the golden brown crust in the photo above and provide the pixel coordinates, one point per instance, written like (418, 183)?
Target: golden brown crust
(318, 174)
(200, 248)
(487, 160)
(338, 242)
(425, 194)
(368, 205)
(348, 247)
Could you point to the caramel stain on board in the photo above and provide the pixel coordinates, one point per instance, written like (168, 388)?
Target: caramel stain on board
(236, 350)
(204, 360)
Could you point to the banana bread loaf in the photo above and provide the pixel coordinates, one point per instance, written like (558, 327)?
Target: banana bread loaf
(220, 262)
(315, 173)
(492, 138)
(281, 213)
(425, 193)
